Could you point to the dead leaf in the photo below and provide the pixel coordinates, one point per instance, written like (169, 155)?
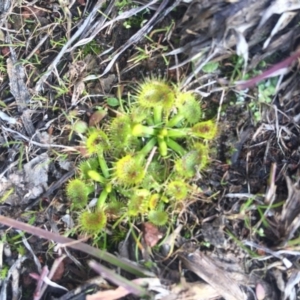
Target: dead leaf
(82, 150)
(19, 90)
(151, 234)
(290, 216)
(76, 71)
(278, 7)
(97, 117)
(152, 284)
(6, 118)
(2, 36)
(78, 89)
(5, 51)
(192, 291)
(290, 285)
(59, 272)
(33, 11)
(283, 21)
(242, 48)
(22, 186)
(260, 292)
(106, 83)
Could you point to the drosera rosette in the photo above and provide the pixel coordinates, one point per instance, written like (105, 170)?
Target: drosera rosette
(162, 137)
(142, 160)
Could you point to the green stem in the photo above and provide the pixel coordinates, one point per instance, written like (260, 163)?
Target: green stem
(108, 187)
(150, 121)
(163, 132)
(176, 147)
(120, 219)
(178, 132)
(157, 114)
(113, 196)
(80, 246)
(102, 198)
(148, 147)
(103, 165)
(142, 130)
(162, 145)
(94, 175)
(175, 120)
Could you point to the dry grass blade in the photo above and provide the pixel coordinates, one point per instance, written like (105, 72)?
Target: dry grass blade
(5, 7)
(278, 7)
(137, 36)
(65, 48)
(289, 291)
(283, 21)
(278, 69)
(219, 279)
(290, 216)
(193, 291)
(44, 278)
(117, 279)
(217, 26)
(20, 91)
(100, 254)
(14, 268)
(17, 84)
(37, 143)
(90, 34)
(120, 292)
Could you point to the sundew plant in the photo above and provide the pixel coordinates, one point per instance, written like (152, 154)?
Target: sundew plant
(141, 161)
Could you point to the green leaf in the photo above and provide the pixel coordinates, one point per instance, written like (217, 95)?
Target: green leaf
(113, 102)
(210, 67)
(94, 175)
(80, 126)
